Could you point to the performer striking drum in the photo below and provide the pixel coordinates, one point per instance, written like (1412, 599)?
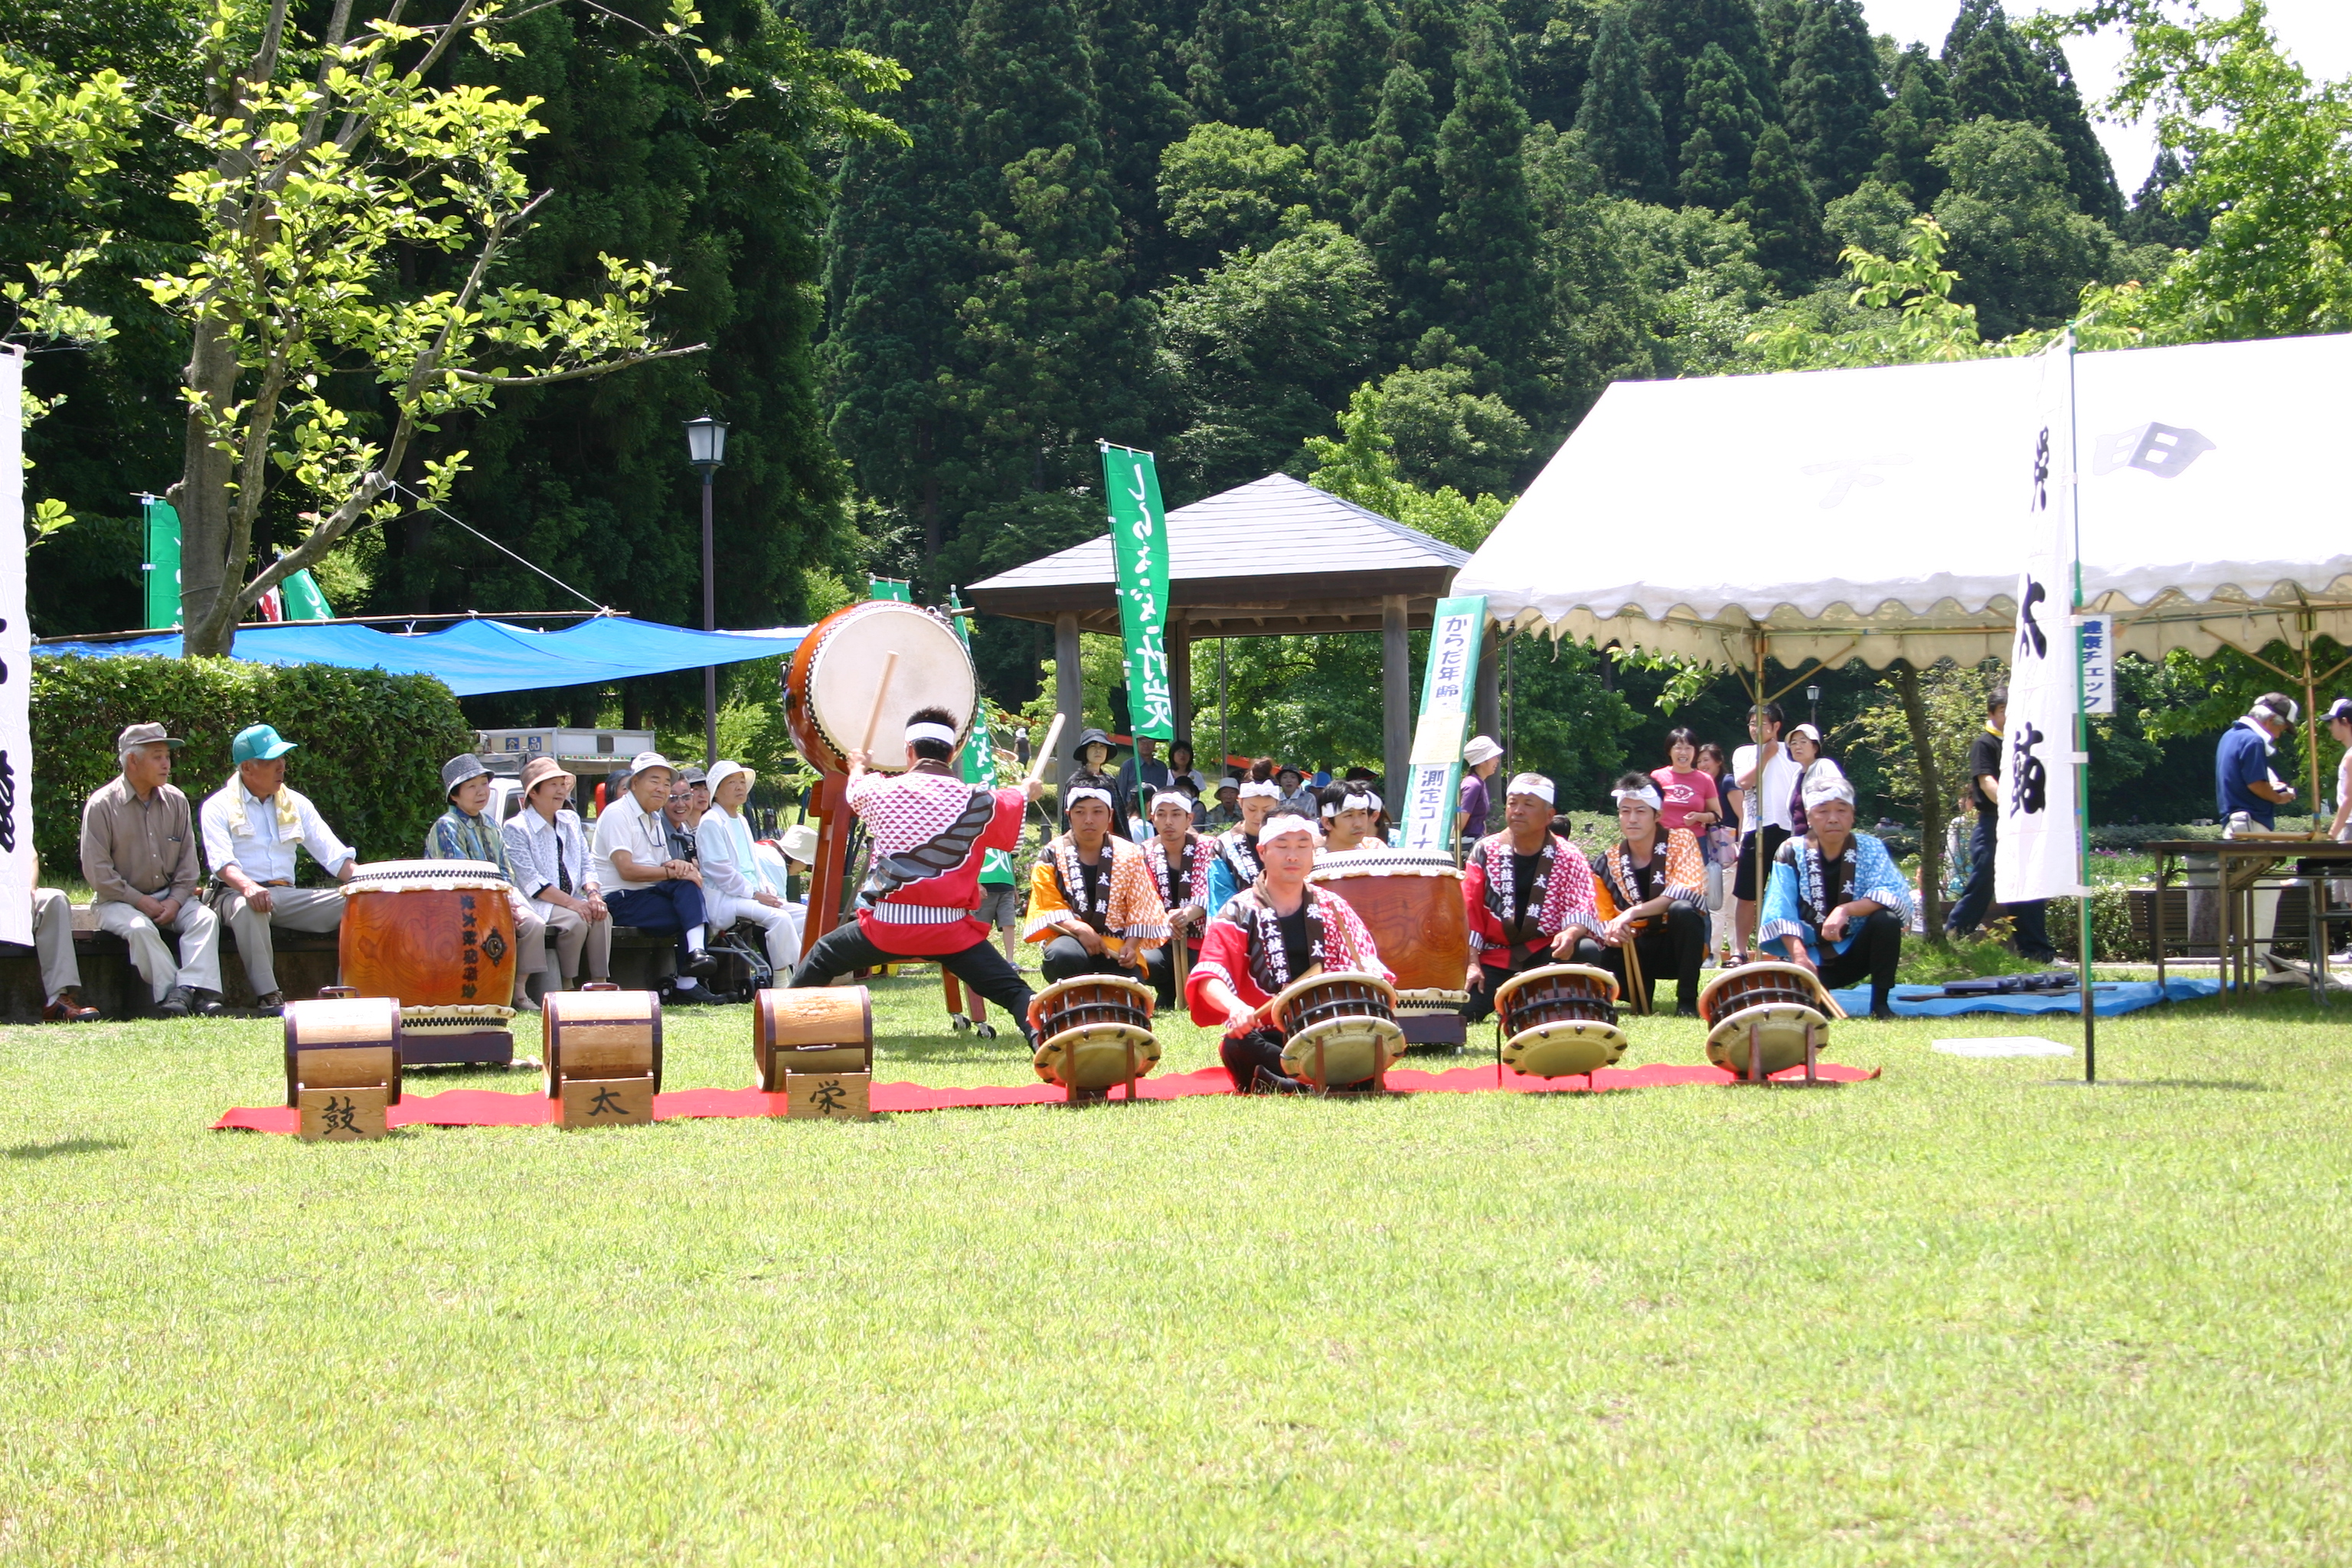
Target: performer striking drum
(931, 832)
(1237, 864)
(1179, 860)
(1527, 893)
(1836, 904)
(1652, 892)
(1091, 900)
(1273, 933)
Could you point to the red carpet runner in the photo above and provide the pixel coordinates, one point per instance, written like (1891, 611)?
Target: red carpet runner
(488, 1108)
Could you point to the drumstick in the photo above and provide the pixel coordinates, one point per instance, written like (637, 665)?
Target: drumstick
(874, 718)
(1633, 972)
(1044, 753)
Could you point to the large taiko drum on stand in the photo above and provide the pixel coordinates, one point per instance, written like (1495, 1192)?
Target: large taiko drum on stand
(1092, 1032)
(1763, 1017)
(1338, 1028)
(439, 937)
(1410, 900)
(830, 688)
(1560, 1019)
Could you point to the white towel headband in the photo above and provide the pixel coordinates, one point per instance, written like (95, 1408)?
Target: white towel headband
(930, 732)
(1288, 822)
(1261, 790)
(1647, 794)
(1086, 791)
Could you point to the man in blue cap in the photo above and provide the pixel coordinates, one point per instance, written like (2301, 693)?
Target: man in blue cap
(252, 826)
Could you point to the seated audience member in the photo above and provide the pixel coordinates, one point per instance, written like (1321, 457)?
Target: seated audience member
(1836, 905)
(1528, 895)
(698, 793)
(1295, 796)
(465, 832)
(139, 857)
(1091, 899)
(252, 826)
(547, 855)
(1650, 892)
(735, 886)
(1227, 811)
(647, 883)
(1275, 933)
(678, 820)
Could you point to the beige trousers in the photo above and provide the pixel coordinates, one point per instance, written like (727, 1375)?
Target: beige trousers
(576, 936)
(53, 941)
(296, 908)
(197, 967)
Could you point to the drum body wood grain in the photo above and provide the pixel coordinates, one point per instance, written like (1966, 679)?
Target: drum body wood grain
(351, 1043)
(829, 690)
(1093, 1032)
(1772, 1011)
(1338, 1028)
(429, 933)
(1560, 1019)
(1410, 900)
(812, 1028)
(601, 1035)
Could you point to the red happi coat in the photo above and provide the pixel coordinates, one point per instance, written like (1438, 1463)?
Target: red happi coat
(1184, 881)
(931, 833)
(1243, 949)
(1564, 897)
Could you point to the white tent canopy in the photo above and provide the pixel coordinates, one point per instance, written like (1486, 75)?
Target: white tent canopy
(1880, 514)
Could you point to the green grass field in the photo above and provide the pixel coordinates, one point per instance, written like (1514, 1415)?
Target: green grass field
(1960, 1315)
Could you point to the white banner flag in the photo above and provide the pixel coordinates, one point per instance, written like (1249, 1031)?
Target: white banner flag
(2037, 855)
(17, 869)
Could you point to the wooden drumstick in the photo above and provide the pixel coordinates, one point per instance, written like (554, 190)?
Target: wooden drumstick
(874, 718)
(1633, 971)
(1044, 753)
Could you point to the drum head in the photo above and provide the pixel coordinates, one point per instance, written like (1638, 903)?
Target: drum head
(1094, 1055)
(845, 669)
(1722, 994)
(1557, 1050)
(1353, 1049)
(1777, 1030)
(425, 876)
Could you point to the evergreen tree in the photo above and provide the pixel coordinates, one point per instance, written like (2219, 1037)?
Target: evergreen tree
(1624, 134)
(1914, 125)
(1782, 212)
(2058, 109)
(1342, 61)
(1238, 68)
(1399, 200)
(2152, 222)
(2022, 251)
(1493, 296)
(1553, 41)
(1832, 94)
(1995, 73)
(1140, 114)
(1430, 34)
(1675, 34)
(1725, 121)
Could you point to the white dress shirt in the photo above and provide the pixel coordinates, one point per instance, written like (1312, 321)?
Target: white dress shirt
(264, 849)
(626, 825)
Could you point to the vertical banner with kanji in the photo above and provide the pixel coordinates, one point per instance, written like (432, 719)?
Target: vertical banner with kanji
(1448, 690)
(17, 869)
(1139, 544)
(979, 749)
(2039, 854)
(161, 569)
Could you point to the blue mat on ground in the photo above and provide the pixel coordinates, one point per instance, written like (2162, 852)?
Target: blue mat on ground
(2109, 997)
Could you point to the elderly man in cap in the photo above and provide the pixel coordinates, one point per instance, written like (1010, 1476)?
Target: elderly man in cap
(547, 855)
(139, 857)
(646, 884)
(1528, 894)
(252, 826)
(465, 832)
(1836, 902)
(1480, 758)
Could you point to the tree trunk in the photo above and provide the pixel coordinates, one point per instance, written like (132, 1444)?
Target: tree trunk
(201, 498)
(1931, 802)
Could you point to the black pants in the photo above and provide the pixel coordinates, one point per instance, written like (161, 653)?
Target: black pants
(1877, 948)
(1976, 899)
(1244, 1055)
(1162, 964)
(1065, 959)
(1676, 947)
(980, 966)
(1743, 876)
(1521, 960)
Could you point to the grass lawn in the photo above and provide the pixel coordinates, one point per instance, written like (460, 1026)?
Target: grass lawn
(1958, 1314)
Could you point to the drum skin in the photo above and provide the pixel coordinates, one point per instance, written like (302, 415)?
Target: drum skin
(1350, 1015)
(829, 689)
(1410, 900)
(426, 946)
(1776, 1031)
(1561, 1019)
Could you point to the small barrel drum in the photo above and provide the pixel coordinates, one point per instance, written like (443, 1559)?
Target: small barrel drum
(1560, 1019)
(1093, 1032)
(601, 1035)
(812, 1028)
(1762, 1018)
(347, 1043)
(1410, 900)
(830, 688)
(430, 933)
(1338, 1028)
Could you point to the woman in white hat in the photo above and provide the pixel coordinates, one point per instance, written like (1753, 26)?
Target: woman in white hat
(735, 884)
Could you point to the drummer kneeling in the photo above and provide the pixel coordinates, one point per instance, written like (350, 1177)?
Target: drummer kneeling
(1278, 931)
(1836, 904)
(1652, 893)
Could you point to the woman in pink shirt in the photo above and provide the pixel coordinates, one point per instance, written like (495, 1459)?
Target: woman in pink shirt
(1689, 791)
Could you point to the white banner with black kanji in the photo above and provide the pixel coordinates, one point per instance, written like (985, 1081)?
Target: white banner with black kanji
(2039, 855)
(17, 864)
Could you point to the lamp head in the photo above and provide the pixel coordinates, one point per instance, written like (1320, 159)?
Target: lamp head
(705, 442)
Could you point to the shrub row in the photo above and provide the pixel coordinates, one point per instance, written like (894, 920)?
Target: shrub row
(371, 743)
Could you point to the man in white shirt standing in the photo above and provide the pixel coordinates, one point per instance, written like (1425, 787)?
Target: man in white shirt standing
(646, 885)
(252, 826)
(1763, 770)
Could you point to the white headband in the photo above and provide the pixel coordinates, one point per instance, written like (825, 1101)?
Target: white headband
(1535, 784)
(1367, 801)
(1086, 791)
(1647, 794)
(1261, 791)
(1169, 797)
(1288, 822)
(1824, 783)
(928, 732)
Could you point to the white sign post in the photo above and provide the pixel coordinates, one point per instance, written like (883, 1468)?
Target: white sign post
(17, 864)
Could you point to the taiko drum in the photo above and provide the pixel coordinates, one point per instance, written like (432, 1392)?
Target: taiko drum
(429, 933)
(1560, 1019)
(1093, 1031)
(836, 672)
(1410, 900)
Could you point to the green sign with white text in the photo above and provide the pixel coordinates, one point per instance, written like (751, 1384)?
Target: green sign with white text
(1138, 546)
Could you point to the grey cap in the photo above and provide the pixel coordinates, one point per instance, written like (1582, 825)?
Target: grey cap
(458, 770)
(145, 735)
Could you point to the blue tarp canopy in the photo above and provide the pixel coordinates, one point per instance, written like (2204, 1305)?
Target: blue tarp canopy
(474, 657)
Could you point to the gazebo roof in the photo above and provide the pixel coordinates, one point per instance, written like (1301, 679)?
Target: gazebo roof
(1272, 556)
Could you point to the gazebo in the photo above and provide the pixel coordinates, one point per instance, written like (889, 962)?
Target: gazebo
(1271, 558)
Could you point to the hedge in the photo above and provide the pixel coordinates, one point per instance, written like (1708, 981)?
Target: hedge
(371, 743)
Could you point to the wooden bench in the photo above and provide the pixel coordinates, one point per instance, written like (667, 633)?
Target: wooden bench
(2293, 925)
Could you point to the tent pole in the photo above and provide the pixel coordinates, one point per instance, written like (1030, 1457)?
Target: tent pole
(1755, 942)
(2306, 623)
(1224, 748)
(2082, 768)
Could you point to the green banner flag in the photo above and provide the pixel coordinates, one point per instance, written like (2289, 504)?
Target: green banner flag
(979, 752)
(889, 588)
(161, 570)
(1448, 694)
(1139, 543)
(301, 600)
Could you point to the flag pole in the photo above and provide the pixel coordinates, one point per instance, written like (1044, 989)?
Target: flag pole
(2082, 765)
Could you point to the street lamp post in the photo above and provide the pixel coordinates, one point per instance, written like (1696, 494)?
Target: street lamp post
(1812, 693)
(706, 449)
